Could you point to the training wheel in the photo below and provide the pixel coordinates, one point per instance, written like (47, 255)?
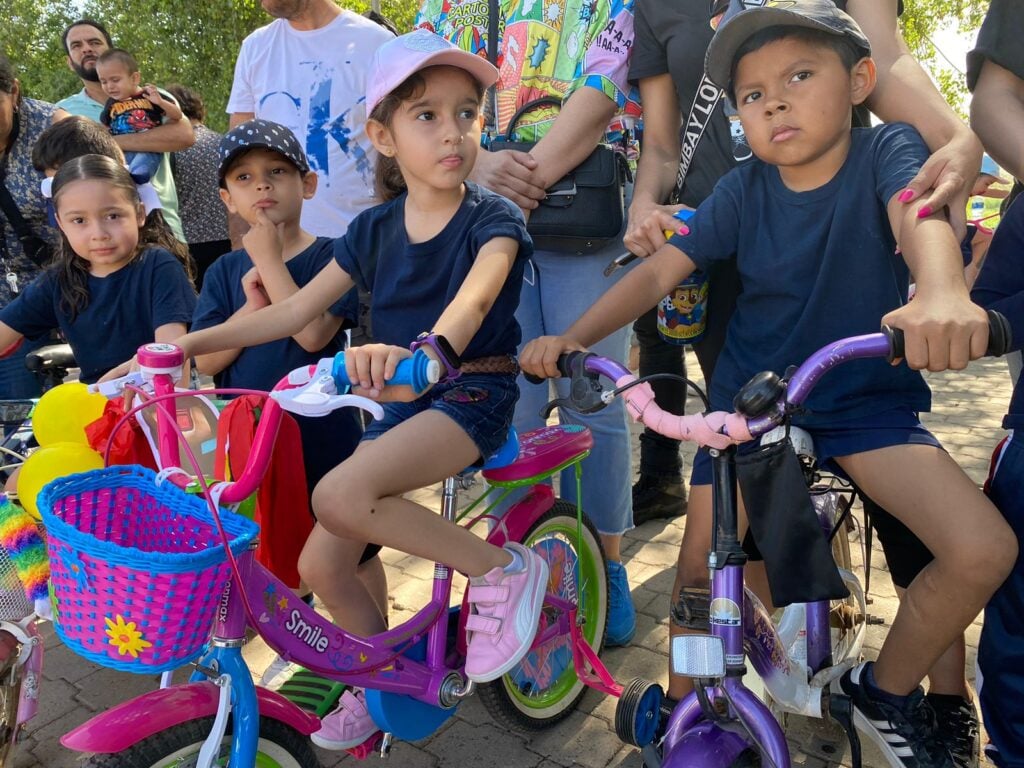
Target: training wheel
(638, 712)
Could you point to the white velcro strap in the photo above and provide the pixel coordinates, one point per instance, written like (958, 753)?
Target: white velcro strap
(484, 624)
(163, 474)
(487, 593)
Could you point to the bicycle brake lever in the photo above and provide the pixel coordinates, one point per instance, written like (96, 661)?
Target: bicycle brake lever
(115, 387)
(585, 391)
(312, 391)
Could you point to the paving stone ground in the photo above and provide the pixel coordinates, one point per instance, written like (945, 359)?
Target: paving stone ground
(967, 415)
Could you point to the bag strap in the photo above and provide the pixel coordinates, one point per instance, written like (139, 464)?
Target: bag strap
(22, 230)
(705, 101)
(541, 102)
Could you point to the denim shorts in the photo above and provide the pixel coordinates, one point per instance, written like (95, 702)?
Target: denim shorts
(481, 403)
(843, 438)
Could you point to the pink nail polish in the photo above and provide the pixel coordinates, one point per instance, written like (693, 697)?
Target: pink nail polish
(907, 196)
(683, 230)
(924, 212)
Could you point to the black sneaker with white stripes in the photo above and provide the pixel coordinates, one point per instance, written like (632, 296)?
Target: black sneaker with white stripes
(905, 735)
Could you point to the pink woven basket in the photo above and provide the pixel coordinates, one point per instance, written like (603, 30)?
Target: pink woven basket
(137, 569)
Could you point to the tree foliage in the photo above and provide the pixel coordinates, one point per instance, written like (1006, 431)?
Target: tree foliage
(922, 19)
(195, 42)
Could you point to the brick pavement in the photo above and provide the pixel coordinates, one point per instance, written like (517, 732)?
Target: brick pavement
(967, 414)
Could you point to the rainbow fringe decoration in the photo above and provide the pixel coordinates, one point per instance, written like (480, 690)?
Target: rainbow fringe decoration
(20, 538)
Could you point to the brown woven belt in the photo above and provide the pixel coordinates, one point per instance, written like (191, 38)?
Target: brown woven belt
(493, 364)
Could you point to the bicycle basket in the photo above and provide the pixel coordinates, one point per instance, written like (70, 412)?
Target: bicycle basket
(137, 569)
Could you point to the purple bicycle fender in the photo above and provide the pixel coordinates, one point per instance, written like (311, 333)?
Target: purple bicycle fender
(128, 723)
(705, 745)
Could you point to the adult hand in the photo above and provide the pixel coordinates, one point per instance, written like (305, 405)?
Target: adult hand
(255, 294)
(510, 173)
(647, 224)
(947, 178)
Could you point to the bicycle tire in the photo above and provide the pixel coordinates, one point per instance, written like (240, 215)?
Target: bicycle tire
(280, 746)
(515, 699)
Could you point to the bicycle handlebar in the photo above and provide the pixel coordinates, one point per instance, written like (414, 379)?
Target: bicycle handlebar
(776, 398)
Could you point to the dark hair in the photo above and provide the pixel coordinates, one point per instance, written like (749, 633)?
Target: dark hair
(119, 55)
(389, 182)
(191, 103)
(85, 23)
(8, 79)
(70, 138)
(72, 271)
(848, 51)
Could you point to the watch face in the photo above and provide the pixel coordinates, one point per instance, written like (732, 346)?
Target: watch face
(446, 348)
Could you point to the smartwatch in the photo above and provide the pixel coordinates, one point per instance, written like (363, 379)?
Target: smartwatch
(449, 358)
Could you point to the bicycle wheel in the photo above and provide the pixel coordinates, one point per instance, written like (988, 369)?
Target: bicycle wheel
(280, 746)
(543, 688)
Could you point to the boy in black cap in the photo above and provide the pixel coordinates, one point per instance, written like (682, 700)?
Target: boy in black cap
(814, 226)
(264, 178)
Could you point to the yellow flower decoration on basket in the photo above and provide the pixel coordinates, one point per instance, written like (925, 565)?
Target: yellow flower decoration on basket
(125, 637)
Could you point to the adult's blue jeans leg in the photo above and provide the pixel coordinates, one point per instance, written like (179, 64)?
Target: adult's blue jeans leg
(555, 294)
(17, 381)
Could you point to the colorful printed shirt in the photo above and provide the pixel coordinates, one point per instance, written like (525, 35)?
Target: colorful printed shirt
(132, 115)
(547, 48)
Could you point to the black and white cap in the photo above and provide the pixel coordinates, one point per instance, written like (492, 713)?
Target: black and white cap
(742, 21)
(260, 134)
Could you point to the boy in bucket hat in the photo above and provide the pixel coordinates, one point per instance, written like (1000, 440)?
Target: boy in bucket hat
(264, 178)
(814, 225)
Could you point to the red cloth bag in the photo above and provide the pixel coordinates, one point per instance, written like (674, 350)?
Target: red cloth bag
(282, 501)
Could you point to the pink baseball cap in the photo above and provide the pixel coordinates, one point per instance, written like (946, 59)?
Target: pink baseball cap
(398, 59)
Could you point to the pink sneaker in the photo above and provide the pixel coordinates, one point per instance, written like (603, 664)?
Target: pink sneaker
(506, 609)
(347, 726)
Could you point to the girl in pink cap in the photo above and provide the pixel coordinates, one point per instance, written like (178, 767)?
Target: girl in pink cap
(443, 261)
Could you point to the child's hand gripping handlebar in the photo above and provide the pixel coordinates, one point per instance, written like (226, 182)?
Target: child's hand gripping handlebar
(762, 404)
(321, 388)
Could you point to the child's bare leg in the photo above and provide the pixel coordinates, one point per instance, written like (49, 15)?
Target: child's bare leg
(948, 674)
(973, 546)
(329, 565)
(372, 575)
(361, 498)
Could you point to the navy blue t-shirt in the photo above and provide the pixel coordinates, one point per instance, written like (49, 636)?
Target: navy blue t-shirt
(815, 266)
(1000, 286)
(412, 283)
(326, 440)
(124, 310)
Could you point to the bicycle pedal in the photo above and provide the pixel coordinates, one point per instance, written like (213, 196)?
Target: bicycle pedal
(840, 708)
(875, 620)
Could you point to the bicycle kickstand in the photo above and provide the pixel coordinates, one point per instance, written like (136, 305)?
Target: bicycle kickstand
(841, 709)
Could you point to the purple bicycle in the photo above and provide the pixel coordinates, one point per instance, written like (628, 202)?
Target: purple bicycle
(723, 724)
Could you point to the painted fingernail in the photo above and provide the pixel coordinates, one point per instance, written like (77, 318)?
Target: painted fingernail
(683, 230)
(907, 196)
(924, 212)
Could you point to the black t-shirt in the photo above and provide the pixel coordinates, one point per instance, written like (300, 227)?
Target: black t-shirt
(999, 40)
(672, 36)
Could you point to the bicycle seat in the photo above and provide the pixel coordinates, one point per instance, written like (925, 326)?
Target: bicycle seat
(543, 452)
(50, 357)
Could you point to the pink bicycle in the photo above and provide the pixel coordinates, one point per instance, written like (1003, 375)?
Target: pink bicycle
(118, 614)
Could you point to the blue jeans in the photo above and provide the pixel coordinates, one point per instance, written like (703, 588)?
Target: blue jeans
(1001, 648)
(560, 289)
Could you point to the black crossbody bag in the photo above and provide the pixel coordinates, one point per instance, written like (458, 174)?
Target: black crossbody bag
(585, 209)
(35, 248)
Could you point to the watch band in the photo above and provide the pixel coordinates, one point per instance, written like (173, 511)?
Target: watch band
(447, 355)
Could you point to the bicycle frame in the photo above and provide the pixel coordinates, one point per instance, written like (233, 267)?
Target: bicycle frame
(300, 634)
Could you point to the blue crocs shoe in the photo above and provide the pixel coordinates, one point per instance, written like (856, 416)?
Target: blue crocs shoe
(621, 614)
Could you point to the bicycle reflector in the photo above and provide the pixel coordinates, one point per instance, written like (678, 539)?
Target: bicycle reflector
(698, 656)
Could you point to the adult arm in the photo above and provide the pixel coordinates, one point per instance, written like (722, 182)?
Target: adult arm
(657, 167)
(997, 114)
(172, 136)
(906, 93)
(237, 118)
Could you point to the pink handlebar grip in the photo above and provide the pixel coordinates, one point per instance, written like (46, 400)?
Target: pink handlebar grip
(714, 430)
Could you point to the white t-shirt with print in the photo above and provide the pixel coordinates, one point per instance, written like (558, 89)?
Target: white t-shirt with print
(314, 82)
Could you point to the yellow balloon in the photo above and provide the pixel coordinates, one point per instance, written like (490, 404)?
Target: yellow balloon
(47, 464)
(63, 413)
